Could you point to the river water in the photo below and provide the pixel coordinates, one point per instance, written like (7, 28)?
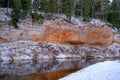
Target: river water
(43, 69)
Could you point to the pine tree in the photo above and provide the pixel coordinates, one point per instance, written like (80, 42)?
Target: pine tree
(86, 8)
(26, 7)
(114, 15)
(20, 8)
(68, 8)
(15, 12)
(118, 5)
(107, 6)
(3, 3)
(45, 6)
(59, 6)
(49, 6)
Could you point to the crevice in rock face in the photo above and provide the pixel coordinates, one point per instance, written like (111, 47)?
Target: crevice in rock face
(3, 40)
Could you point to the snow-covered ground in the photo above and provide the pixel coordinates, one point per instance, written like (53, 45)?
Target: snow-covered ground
(108, 70)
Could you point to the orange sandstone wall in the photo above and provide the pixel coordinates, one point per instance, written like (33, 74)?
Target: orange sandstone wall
(94, 36)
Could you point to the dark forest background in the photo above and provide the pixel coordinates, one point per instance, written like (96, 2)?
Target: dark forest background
(106, 10)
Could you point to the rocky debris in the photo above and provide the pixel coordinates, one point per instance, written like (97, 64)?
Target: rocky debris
(114, 48)
(98, 22)
(27, 50)
(117, 39)
(3, 14)
(59, 16)
(78, 21)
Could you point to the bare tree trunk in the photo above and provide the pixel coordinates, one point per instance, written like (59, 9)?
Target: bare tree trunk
(73, 7)
(102, 9)
(8, 4)
(118, 5)
(59, 6)
(93, 9)
(82, 8)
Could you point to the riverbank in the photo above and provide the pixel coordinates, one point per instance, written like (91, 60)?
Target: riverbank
(28, 50)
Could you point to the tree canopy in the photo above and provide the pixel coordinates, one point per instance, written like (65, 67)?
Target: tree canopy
(102, 9)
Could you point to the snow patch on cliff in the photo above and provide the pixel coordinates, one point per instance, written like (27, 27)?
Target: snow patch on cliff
(97, 22)
(78, 21)
(61, 56)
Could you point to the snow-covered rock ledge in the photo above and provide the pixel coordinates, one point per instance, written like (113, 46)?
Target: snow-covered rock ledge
(27, 50)
(108, 70)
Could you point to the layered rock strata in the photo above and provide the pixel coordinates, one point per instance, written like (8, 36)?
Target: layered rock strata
(27, 50)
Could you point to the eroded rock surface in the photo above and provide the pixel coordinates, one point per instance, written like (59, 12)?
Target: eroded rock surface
(117, 38)
(57, 39)
(27, 50)
(59, 31)
(88, 35)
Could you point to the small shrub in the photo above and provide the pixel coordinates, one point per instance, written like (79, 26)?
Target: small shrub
(36, 16)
